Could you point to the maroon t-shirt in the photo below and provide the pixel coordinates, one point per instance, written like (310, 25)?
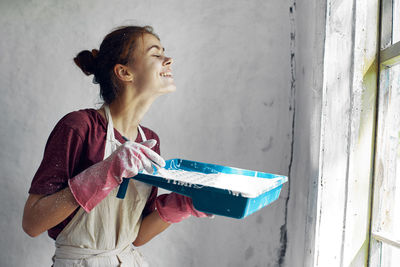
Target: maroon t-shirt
(76, 143)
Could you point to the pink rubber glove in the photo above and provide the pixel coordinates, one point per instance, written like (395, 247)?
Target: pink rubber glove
(92, 185)
(174, 208)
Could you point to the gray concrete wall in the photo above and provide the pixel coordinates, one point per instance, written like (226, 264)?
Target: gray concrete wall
(309, 37)
(234, 105)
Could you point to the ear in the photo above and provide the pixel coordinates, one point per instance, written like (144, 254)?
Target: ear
(123, 73)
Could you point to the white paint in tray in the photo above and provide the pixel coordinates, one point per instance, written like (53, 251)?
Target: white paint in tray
(247, 186)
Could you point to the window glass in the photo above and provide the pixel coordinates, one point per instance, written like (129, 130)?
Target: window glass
(386, 209)
(396, 21)
(390, 255)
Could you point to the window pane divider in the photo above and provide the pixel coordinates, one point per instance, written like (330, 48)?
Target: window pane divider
(384, 238)
(391, 55)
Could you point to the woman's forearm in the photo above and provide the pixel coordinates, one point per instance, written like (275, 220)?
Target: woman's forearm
(151, 226)
(44, 212)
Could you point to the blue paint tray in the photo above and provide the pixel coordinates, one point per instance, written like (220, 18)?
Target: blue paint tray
(211, 199)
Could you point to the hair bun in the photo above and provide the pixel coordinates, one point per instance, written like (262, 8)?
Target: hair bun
(86, 61)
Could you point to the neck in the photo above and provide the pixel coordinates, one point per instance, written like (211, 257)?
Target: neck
(127, 112)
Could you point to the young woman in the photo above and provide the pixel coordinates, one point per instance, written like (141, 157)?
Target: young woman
(89, 152)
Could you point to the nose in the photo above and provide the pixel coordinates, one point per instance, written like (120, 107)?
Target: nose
(168, 61)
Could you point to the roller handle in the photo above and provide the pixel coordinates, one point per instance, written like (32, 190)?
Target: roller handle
(122, 188)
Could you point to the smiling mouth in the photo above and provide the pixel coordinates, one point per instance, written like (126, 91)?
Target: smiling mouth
(166, 74)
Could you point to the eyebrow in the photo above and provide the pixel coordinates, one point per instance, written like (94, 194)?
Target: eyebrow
(155, 46)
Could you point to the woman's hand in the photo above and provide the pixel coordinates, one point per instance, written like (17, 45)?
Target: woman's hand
(171, 208)
(174, 208)
(92, 185)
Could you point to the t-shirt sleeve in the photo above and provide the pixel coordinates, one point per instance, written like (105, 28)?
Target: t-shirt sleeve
(61, 156)
(151, 201)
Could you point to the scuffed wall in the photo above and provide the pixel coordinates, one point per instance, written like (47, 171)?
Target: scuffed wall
(234, 105)
(309, 52)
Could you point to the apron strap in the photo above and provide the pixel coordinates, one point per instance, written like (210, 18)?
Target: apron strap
(111, 142)
(77, 253)
(110, 125)
(142, 134)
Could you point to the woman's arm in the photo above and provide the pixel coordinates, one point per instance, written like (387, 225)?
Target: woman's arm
(43, 212)
(151, 226)
(171, 208)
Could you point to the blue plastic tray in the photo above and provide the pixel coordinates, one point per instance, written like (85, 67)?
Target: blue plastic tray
(210, 199)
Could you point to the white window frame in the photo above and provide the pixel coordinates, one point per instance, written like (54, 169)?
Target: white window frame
(389, 55)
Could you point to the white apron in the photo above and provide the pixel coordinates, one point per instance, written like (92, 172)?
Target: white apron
(104, 236)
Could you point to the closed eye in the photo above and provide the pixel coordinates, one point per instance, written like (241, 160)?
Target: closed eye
(156, 55)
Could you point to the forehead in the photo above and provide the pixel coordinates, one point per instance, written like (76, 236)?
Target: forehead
(146, 41)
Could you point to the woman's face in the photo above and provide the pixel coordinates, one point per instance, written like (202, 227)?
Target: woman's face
(151, 69)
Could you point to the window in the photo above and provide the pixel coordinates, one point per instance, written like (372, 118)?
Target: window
(385, 220)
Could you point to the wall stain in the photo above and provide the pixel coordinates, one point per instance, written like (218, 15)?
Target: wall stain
(259, 219)
(268, 104)
(292, 108)
(269, 145)
(249, 253)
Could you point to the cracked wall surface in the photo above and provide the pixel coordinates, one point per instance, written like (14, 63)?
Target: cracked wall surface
(309, 39)
(292, 109)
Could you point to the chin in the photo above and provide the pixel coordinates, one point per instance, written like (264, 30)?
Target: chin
(169, 89)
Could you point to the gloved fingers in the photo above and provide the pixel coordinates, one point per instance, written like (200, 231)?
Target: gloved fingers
(150, 154)
(136, 164)
(193, 210)
(131, 172)
(132, 151)
(153, 156)
(145, 162)
(149, 143)
(200, 214)
(158, 168)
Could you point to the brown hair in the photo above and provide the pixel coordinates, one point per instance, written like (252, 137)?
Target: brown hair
(116, 48)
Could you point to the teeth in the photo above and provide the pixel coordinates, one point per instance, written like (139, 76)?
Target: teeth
(166, 74)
